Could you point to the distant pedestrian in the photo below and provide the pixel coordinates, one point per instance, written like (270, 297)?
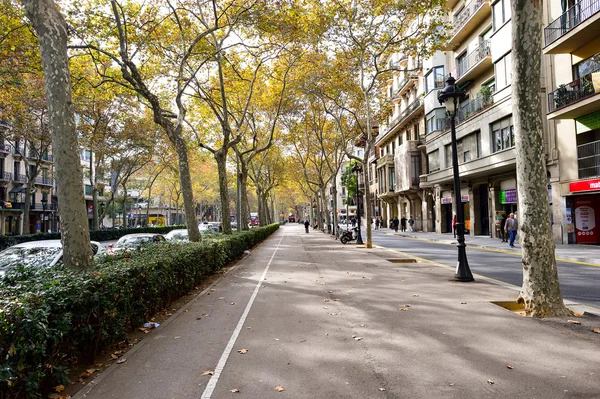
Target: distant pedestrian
(353, 221)
(395, 223)
(377, 223)
(454, 226)
(402, 223)
(512, 226)
(502, 226)
(411, 223)
(306, 225)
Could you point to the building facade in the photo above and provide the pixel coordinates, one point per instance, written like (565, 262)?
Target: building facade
(571, 39)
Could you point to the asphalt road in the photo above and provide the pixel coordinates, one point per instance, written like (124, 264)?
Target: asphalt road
(579, 283)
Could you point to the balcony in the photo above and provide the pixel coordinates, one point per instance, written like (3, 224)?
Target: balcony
(397, 64)
(19, 178)
(467, 110)
(5, 177)
(404, 117)
(18, 151)
(474, 64)
(404, 85)
(385, 160)
(576, 98)
(588, 159)
(44, 181)
(4, 148)
(467, 19)
(578, 26)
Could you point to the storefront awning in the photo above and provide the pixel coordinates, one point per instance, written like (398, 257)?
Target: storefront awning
(17, 189)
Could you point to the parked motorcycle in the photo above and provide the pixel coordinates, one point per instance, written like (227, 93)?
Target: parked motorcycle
(349, 235)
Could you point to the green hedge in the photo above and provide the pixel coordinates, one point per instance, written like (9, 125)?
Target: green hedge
(95, 235)
(50, 318)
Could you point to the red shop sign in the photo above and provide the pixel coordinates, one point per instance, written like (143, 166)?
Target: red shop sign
(584, 185)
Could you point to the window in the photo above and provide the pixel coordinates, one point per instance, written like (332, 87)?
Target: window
(44, 197)
(468, 146)
(17, 169)
(434, 79)
(343, 190)
(415, 167)
(502, 13)
(587, 66)
(1, 168)
(461, 64)
(466, 156)
(503, 135)
(479, 154)
(503, 71)
(88, 189)
(435, 120)
(448, 153)
(433, 159)
(86, 155)
(392, 178)
(416, 130)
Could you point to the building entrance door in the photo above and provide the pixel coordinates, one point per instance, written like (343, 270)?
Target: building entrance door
(447, 215)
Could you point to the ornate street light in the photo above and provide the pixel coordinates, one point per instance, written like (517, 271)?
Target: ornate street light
(450, 97)
(359, 239)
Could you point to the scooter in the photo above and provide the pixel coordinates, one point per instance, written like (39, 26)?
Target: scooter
(349, 235)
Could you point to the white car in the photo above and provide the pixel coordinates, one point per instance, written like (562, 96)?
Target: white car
(177, 235)
(43, 253)
(209, 228)
(133, 241)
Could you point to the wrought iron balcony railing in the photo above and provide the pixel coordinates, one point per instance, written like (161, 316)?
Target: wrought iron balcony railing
(570, 19)
(574, 91)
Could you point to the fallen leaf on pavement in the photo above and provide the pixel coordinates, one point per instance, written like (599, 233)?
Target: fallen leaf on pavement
(59, 388)
(325, 307)
(331, 292)
(336, 299)
(463, 303)
(405, 309)
(242, 351)
(490, 382)
(415, 294)
(208, 372)
(320, 276)
(114, 356)
(381, 389)
(98, 365)
(91, 371)
(232, 303)
(407, 306)
(362, 325)
(234, 390)
(574, 322)
(508, 366)
(121, 360)
(452, 384)
(596, 330)
(279, 388)
(358, 338)
(325, 300)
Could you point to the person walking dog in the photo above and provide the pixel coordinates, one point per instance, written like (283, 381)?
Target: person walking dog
(512, 226)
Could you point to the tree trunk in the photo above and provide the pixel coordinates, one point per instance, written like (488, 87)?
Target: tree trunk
(221, 158)
(148, 206)
(93, 183)
(26, 206)
(51, 31)
(540, 291)
(335, 205)
(319, 215)
(186, 186)
(243, 176)
(326, 211)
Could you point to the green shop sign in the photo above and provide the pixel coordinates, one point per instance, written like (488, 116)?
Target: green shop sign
(587, 122)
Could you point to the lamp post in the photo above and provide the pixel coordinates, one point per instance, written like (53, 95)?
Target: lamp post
(359, 239)
(450, 97)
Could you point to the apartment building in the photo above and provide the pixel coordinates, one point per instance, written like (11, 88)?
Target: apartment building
(478, 56)
(572, 48)
(13, 189)
(398, 147)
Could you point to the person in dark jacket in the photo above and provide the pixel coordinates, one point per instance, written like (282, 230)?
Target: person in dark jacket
(306, 225)
(402, 223)
(395, 223)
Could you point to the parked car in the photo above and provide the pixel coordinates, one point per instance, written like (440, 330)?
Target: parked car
(133, 241)
(210, 227)
(177, 235)
(42, 253)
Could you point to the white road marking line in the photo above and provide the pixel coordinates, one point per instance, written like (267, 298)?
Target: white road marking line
(212, 383)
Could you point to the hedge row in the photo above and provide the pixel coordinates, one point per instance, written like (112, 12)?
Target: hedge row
(51, 318)
(95, 235)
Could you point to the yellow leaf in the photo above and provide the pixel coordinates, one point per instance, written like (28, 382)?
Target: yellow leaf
(208, 372)
(405, 309)
(234, 390)
(59, 388)
(508, 366)
(490, 382)
(596, 330)
(574, 322)
(325, 300)
(279, 388)
(243, 351)
(381, 389)
(12, 351)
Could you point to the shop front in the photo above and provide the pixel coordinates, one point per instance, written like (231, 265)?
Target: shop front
(448, 212)
(583, 212)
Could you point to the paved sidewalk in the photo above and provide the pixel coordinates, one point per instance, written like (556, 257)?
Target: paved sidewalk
(324, 320)
(574, 252)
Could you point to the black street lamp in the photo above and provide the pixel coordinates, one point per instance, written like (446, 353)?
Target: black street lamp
(359, 239)
(450, 97)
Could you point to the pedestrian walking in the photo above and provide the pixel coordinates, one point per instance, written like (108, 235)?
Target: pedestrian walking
(353, 221)
(306, 225)
(395, 223)
(411, 223)
(402, 223)
(502, 226)
(512, 226)
(377, 223)
(454, 226)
